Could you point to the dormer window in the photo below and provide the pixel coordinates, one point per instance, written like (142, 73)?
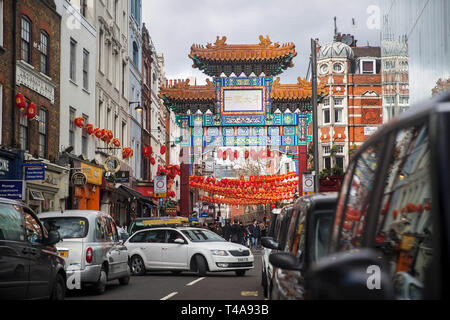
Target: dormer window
(367, 66)
(338, 67)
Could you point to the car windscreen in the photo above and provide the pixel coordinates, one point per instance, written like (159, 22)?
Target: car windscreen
(68, 227)
(199, 235)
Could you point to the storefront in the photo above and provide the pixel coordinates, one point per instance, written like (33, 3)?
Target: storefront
(11, 183)
(46, 185)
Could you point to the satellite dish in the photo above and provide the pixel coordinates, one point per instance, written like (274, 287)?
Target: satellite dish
(347, 39)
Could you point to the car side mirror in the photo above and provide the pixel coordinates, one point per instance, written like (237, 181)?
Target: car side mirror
(269, 243)
(359, 274)
(286, 261)
(179, 241)
(53, 238)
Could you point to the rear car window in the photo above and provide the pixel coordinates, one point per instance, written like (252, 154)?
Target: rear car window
(68, 227)
(11, 223)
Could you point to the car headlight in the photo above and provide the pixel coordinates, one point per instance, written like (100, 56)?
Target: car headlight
(219, 252)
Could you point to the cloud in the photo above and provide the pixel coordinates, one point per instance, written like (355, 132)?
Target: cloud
(175, 25)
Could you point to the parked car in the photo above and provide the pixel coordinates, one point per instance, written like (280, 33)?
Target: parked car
(30, 267)
(91, 247)
(391, 233)
(186, 249)
(276, 240)
(307, 241)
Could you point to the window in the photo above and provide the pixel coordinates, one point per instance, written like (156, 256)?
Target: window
(326, 115)
(123, 78)
(85, 69)
(26, 39)
(326, 149)
(327, 162)
(84, 138)
(72, 112)
(153, 236)
(389, 101)
(68, 228)
(135, 54)
(172, 235)
(404, 230)
(338, 67)
(10, 223)
(23, 133)
(339, 149)
(73, 60)
(368, 67)
(44, 48)
(338, 115)
(339, 162)
(83, 7)
(322, 236)
(358, 195)
(43, 127)
(33, 228)
(338, 102)
(403, 100)
(326, 102)
(100, 51)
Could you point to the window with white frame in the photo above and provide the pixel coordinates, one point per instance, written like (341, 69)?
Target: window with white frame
(326, 149)
(72, 113)
(326, 102)
(338, 67)
(85, 69)
(326, 115)
(26, 36)
(338, 118)
(43, 133)
(327, 162)
(44, 48)
(73, 60)
(339, 149)
(368, 67)
(84, 138)
(339, 162)
(338, 102)
(403, 100)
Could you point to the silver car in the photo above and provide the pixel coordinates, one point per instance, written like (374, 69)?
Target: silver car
(91, 246)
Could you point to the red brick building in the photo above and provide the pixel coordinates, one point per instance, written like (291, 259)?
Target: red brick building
(353, 109)
(30, 65)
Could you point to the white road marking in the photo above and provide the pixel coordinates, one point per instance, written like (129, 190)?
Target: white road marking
(195, 281)
(169, 296)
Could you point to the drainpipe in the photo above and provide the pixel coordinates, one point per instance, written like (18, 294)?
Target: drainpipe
(14, 64)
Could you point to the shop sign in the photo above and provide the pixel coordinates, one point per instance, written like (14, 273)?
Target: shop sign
(34, 172)
(145, 191)
(112, 164)
(12, 189)
(122, 176)
(94, 174)
(79, 179)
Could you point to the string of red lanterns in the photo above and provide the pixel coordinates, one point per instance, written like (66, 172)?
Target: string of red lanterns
(253, 154)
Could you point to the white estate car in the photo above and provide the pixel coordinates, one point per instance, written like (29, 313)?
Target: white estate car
(186, 249)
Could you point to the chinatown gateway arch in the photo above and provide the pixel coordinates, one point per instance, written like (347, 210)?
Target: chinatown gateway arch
(237, 109)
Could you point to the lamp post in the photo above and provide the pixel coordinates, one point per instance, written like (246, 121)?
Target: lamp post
(314, 112)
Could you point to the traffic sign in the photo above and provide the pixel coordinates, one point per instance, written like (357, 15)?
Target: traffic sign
(308, 183)
(161, 195)
(160, 184)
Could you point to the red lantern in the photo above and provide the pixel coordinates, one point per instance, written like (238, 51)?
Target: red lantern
(116, 143)
(236, 154)
(21, 103)
(246, 154)
(163, 149)
(224, 156)
(89, 128)
(79, 122)
(31, 111)
(152, 161)
(98, 132)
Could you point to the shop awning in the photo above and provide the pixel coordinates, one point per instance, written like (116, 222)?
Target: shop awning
(127, 191)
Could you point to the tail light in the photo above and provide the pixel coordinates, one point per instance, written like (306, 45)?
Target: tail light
(89, 255)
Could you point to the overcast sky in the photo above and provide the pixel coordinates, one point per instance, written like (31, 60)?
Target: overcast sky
(175, 25)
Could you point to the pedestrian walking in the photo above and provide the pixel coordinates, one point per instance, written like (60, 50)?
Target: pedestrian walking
(255, 233)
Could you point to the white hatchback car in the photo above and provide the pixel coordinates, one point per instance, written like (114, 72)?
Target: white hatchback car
(186, 249)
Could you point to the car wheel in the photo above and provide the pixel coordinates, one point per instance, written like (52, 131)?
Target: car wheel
(100, 285)
(59, 288)
(124, 281)
(137, 266)
(201, 265)
(240, 273)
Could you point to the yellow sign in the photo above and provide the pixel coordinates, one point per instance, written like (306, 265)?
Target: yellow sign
(94, 174)
(165, 221)
(160, 195)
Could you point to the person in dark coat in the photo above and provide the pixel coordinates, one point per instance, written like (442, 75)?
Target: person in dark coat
(226, 231)
(236, 232)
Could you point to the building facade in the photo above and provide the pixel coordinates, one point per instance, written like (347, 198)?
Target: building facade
(353, 109)
(78, 71)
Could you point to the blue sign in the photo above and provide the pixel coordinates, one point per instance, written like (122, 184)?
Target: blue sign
(34, 171)
(161, 202)
(11, 189)
(203, 214)
(192, 219)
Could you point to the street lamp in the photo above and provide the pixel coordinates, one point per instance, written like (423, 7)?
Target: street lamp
(139, 108)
